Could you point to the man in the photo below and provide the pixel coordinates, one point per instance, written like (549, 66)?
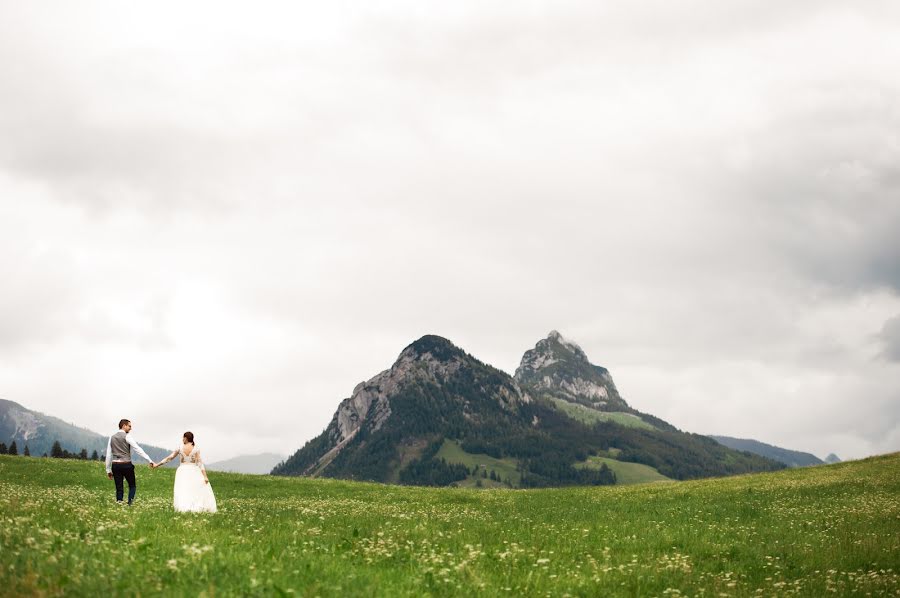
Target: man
(118, 460)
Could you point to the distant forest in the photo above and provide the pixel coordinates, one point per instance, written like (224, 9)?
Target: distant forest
(56, 452)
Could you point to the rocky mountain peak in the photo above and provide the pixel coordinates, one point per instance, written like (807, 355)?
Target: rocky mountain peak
(548, 351)
(562, 347)
(432, 346)
(558, 368)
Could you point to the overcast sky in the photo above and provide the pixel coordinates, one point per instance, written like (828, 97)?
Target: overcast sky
(222, 217)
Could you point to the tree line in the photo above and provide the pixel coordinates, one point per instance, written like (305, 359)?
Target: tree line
(56, 452)
(13, 449)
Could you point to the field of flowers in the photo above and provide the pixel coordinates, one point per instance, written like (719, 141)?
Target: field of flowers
(828, 530)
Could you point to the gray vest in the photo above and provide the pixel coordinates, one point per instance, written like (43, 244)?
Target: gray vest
(119, 447)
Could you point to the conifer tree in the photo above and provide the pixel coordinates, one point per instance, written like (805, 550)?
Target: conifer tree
(95, 456)
(3, 448)
(83, 454)
(13, 449)
(26, 452)
(56, 451)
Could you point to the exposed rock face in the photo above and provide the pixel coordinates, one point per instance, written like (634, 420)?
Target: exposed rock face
(559, 368)
(25, 422)
(577, 387)
(549, 351)
(370, 400)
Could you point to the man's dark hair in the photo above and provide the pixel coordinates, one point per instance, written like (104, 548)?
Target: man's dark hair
(122, 422)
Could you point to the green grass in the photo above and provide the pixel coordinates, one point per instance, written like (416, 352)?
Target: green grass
(813, 531)
(505, 468)
(626, 473)
(591, 416)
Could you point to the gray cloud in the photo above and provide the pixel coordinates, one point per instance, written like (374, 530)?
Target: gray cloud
(890, 336)
(821, 181)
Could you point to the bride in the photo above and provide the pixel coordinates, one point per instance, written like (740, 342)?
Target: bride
(192, 490)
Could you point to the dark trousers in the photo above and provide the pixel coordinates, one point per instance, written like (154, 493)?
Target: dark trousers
(126, 471)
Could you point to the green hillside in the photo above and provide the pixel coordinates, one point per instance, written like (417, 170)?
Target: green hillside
(591, 416)
(817, 531)
(782, 455)
(626, 473)
(504, 468)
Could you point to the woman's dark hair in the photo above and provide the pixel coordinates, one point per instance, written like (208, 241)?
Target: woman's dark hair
(189, 436)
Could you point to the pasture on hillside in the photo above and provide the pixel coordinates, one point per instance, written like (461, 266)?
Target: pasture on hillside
(818, 531)
(626, 473)
(591, 416)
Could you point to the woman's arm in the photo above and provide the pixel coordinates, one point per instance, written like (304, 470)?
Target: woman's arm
(167, 459)
(200, 465)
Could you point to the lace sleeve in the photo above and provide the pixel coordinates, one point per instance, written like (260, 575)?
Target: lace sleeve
(199, 460)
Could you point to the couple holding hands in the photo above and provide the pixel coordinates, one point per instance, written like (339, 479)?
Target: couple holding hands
(192, 491)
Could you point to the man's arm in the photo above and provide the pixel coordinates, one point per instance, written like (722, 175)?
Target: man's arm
(138, 448)
(109, 456)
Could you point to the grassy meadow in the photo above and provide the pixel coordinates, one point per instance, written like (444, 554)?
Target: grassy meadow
(818, 531)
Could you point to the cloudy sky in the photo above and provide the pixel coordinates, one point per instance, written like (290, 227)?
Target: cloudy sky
(222, 217)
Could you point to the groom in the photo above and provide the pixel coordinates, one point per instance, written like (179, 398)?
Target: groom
(118, 460)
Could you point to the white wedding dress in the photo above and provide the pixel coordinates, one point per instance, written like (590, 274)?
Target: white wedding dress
(192, 494)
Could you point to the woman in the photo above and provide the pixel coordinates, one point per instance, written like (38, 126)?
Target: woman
(193, 494)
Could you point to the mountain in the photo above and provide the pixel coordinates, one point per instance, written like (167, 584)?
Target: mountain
(558, 370)
(786, 456)
(259, 464)
(832, 458)
(439, 416)
(39, 431)
(558, 373)
(392, 426)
